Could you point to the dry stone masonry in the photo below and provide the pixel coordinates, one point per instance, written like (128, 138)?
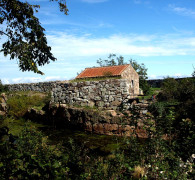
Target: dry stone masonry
(40, 87)
(108, 94)
(104, 94)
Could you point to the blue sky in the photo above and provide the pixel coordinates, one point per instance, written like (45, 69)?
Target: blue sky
(158, 33)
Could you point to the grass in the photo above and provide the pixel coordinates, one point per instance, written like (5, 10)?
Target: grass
(152, 91)
(20, 102)
(16, 125)
(102, 143)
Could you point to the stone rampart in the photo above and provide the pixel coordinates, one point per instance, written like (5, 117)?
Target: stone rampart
(106, 94)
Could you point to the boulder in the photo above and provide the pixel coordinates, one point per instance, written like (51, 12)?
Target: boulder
(3, 107)
(98, 128)
(111, 113)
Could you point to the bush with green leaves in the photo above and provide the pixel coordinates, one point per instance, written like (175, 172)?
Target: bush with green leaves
(3, 88)
(30, 157)
(177, 116)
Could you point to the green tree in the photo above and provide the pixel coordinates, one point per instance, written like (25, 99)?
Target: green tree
(113, 60)
(193, 74)
(25, 37)
(179, 96)
(169, 90)
(3, 88)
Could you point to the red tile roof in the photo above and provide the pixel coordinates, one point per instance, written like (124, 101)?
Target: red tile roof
(102, 71)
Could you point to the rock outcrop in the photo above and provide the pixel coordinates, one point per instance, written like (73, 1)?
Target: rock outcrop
(108, 122)
(3, 104)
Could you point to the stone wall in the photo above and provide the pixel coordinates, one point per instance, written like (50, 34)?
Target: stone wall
(40, 87)
(107, 94)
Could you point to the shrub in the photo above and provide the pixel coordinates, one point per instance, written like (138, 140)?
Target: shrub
(169, 90)
(3, 88)
(157, 109)
(30, 157)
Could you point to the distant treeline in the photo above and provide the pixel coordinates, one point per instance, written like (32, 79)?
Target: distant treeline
(156, 83)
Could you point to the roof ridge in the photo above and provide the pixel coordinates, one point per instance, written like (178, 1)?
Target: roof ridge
(107, 66)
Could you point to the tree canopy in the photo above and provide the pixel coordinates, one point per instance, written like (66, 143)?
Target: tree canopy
(25, 37)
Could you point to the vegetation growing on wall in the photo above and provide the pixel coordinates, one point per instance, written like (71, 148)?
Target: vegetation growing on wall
(96, 78)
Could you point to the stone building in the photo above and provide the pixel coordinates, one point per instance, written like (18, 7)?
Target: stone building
(122, 71)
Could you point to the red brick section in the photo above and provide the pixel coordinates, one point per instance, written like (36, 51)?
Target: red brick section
(102, 71)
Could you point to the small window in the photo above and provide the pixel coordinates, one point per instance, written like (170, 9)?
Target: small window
(132, 83)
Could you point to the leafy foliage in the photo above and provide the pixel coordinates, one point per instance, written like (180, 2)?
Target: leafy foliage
(3, 88)
(30, 157)
(169, 90)
(193, 73)
(182, 92)
(26, 40)
(178, 97)
(112, 60)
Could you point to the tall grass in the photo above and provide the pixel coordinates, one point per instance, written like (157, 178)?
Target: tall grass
(20, 103)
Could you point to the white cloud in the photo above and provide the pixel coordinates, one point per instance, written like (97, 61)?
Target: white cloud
(5, 81)
(67, 45)
(94, 1)
(31, 79)
(182, 11)
(177, 75)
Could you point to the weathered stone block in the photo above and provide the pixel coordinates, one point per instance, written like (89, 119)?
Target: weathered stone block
(110, 128)
(115, 103)
(74, 84)
(111, 113)
(87, 83)
(110, 99)
(100, 103)
(88, 127)
(98, 128)
(91, 104)
(97, 98)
